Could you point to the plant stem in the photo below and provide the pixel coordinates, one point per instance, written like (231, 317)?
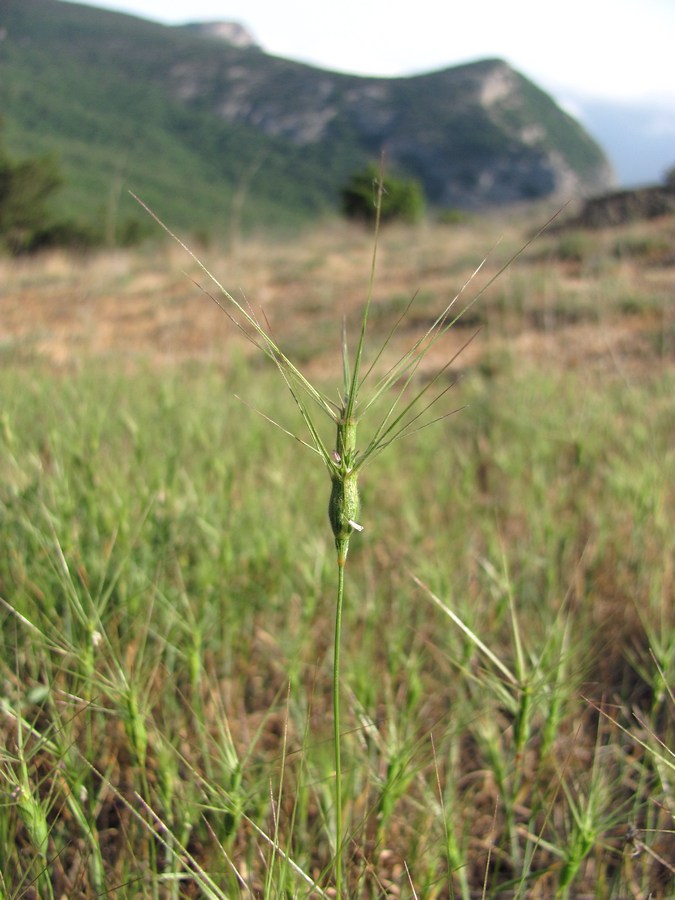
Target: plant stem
(343, 511)
(336, 727)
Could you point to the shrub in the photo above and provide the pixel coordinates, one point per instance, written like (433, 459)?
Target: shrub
(25, 188)
(26, 224)
(402, 198)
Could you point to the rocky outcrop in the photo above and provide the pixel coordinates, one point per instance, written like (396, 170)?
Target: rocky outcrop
(232, 33)
(623, 207)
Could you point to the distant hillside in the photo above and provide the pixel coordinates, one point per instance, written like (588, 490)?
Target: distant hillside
(205, 130)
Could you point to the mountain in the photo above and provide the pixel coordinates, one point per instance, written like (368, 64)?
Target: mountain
(206, 128)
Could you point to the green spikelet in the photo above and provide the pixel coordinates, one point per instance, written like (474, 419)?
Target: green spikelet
(343, 508)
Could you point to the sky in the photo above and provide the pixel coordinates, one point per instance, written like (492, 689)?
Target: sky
(620, 50)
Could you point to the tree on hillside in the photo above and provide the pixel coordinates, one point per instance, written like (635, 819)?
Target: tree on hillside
(25, 189)
(402, 198)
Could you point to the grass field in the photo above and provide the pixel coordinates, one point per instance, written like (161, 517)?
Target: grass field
(167, 576)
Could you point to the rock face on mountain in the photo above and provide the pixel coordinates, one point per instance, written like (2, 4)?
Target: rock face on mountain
(476, 135)
(231, 32)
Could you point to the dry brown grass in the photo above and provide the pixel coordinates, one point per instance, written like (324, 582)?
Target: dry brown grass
(591, 299)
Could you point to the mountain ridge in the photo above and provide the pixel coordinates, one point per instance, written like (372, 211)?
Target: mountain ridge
(201, 127)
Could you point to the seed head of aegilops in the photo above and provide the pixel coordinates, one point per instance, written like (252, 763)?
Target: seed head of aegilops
(343, 507)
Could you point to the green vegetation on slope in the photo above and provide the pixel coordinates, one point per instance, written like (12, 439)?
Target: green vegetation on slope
(87, 85)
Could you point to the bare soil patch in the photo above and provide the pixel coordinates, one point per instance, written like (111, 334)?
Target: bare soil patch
(603, 308)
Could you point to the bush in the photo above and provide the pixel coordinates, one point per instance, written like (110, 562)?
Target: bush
(25, 188)
(402, 198)
(26, 225)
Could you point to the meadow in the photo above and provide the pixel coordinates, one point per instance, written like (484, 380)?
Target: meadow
(167, 573)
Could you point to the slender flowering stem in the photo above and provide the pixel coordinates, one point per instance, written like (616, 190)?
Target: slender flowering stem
(343, 512)
(336, 730)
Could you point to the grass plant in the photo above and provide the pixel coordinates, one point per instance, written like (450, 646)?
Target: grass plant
(167, 653)
(345, 462)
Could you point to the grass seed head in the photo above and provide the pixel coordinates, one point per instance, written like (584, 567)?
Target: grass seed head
(343, 507)
(33, 815)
